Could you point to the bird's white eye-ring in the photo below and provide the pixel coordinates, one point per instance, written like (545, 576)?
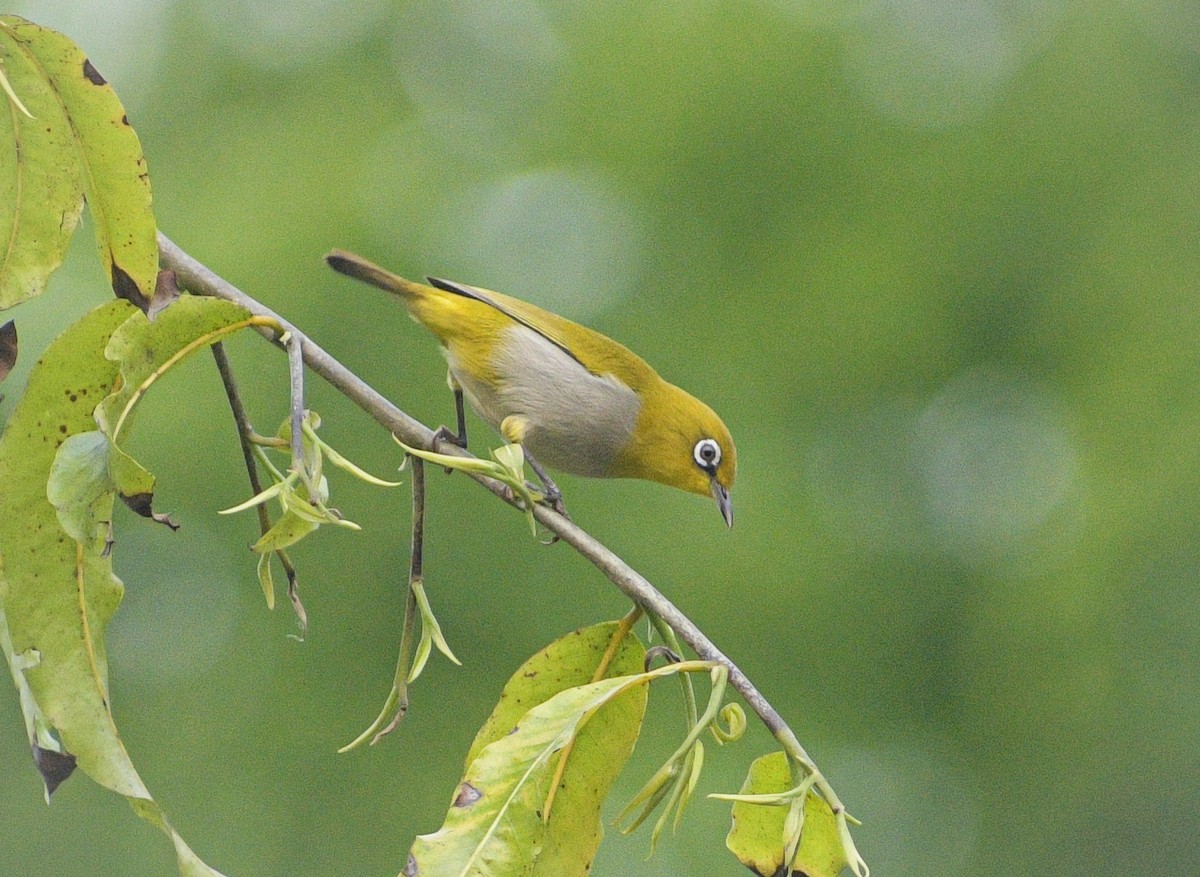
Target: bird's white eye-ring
(707, 454)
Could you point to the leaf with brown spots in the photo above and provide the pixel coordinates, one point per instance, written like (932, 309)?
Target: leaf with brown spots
(77, 143)
(498, 814)
(59, 592)
(91, 466)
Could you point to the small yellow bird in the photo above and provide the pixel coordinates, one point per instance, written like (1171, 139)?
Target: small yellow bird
(573, 398)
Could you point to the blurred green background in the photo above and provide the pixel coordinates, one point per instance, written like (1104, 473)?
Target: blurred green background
(935, 263)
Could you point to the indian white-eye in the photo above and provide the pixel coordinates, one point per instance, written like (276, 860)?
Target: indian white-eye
(574, 399)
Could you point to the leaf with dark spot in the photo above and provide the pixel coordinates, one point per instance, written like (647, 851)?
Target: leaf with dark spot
(499, 814)
(166, 291)
(141, 503)
(467, 795)
(59, 599)
(124, 287)
(54, 767)
(77, 146)
(8, 348)
(92, 74)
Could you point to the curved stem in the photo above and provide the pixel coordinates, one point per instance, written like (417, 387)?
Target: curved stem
(258, 321)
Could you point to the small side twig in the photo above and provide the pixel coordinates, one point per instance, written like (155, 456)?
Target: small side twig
(415, 576)
(295, 356)
(397, 701)
(245, 431)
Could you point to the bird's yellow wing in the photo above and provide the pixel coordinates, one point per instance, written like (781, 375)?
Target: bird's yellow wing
(597, 353)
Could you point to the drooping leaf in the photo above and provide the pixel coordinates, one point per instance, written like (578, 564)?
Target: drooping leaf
(78, 143)
(498, 822)
(57, 594)
(287, 531)
(759, 834)
(601, 749)
(144, 350)
(87, 469)
(41, 185)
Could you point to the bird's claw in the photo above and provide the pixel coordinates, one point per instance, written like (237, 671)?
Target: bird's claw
(443, 434)
(552, 498)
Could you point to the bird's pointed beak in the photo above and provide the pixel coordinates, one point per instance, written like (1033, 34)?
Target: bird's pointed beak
(724, 503)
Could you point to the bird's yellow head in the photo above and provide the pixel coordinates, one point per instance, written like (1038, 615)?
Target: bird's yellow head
(681, 442)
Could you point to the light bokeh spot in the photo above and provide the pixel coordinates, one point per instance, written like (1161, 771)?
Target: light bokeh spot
(996, 460)
(477, 55)
(564, 239)
(290, 35)
(1174, 23)
(934, 63)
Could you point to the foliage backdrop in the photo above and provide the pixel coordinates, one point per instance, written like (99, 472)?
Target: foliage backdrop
(935, 264)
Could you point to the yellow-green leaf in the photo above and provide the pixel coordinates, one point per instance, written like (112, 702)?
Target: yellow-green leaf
(758, 837)
(41, 187)
(79, 486)
(499, 816)
(78, 143)
(57, 596)
(145, 350)
(565, 663)
(288, 530)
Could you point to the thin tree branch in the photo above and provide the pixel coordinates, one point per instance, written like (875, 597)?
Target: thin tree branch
(415, 577)
(245, 430)
(200, 280)
(296, 379)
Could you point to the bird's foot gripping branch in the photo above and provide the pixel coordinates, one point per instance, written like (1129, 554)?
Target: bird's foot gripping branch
(543, 763)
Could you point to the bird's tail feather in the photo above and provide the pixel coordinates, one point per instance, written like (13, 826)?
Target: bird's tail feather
(353, 265)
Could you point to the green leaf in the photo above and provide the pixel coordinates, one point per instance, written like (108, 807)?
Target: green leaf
(88, 468)
(567, 662)
(266, 579)
(431, 634)
(79, 486)
(92, 464)
(759, 834)
(78, 143)
(288, 530)
(57, 596)
(41, 187)
(498, 813)
(145, 350)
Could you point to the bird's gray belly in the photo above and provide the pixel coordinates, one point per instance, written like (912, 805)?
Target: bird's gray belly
(578, 421)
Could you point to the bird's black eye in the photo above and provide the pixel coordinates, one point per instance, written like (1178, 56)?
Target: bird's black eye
(707, 454)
